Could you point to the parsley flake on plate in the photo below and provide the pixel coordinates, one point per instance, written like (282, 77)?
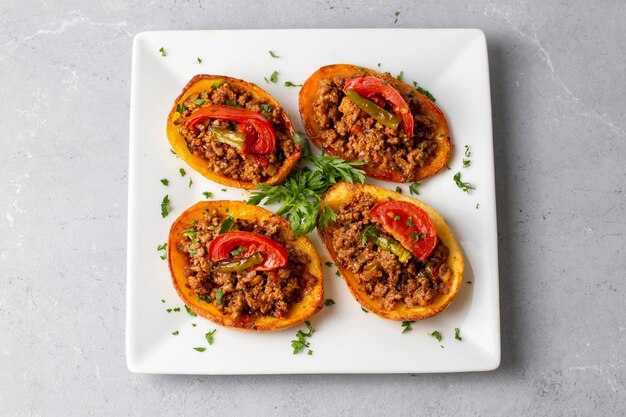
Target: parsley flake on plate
(436, 335)
(301, 338)
(209, 336)
(165, 206)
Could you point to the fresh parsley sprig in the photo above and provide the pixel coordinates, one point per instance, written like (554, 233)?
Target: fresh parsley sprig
(301, 192)
(300, 342)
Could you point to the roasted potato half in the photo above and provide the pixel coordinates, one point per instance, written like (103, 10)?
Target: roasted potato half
(347, 244)
(356, 113)
(232, 132)
(216, 299)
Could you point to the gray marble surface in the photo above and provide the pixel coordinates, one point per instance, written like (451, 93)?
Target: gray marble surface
(557, 77)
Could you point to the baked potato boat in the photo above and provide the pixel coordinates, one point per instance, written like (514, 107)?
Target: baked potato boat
(359, 114)
(232, 132)
(240, 266)
(397, 255)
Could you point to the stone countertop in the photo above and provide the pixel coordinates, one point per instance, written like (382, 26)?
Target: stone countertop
(557, 78)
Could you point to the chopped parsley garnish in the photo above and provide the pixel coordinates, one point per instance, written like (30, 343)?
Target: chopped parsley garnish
(396, 218)
(182, 172)
(457, 334)
(396, 14)
(310, 352)
(190, 234)
(272, 54)
(162, 300)
(337, 273)
(413, 188)
(415, 236)
(232, 104)
(165, 181)
(192, 252)
(177, 309)
(199, 101)
(465, 186)
(409, 222)
(301, 192)
(227, 224)
(369, 231)
(273, 78)
(423, 91)
(466, 163)
(448, 167)
(327, 216)
(266, 108)
(163, 248)
(398, 190)
(199, 349)
(290, 84)
(329, 302)
(218, 296)
(169, 310)
(180, 108)
(207, 194)
(406, 326)
(477, 206)
(162, 50)
(378, 65)
(199, 60)
(400, 76)
(237, 251)
(469, 282)
(209, 336)
(190, 311)
(329, 264)
(165, 205)
(300, 342)
(175, 333)
(224, 189)
(364, 310)
(468, 153)
(436, 335)
(205, 298)
(217, 83)
(193, 324)
(227, 210)
(190, 182)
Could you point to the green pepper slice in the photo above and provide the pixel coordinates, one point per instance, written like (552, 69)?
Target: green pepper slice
(385, 117)
(238, 265)
(234, 139)
(391, 245)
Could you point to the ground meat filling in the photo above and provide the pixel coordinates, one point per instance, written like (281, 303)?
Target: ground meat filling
(380, 272)
(354, 134)
(246, 293)
(225, 159)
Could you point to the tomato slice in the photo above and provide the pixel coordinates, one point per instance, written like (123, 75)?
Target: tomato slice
(408, 224)
(274, 254)
(373, 88)
(261, 140)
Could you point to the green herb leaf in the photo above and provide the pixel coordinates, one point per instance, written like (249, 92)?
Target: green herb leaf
(425, 92)
(165, 181)
(199, 60)
(398, 190)
(169, 310)
(337, 273)
(310, 352)
(396, 218)
(409, 222)
(182, 172)
(300, 342)
(162, 50)
(266, 108)
(290, 84)
(413, 188)
(190, 234)
(207, 194)
(369, 231)
(192, 252)
(436, 335)
(175, 333)
(406, 326)
(163, 248)
(232, 104)
(190, 311)
(364, 310)
(199, 349)
(209, 336)
(457, 334)
(465, 186)
(165, 206)
(477, 206)
(237, 251)
(329, 302)
(227, 225)
(205, 298)
(199, 101)
(415, 236)
(466, 163)
(177, 309)
(273, 78)
(217, 83)
(329, 264)
(301, 139)
(224, 189)
(180, 108)
(273, 55)
(327, 216)
(400, 76)
(190, 182)
(218, 296)
(396, 14)
(468, 153)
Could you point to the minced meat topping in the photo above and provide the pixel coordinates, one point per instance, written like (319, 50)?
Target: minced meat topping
(352, 133)
(223, 158)
(252, 293)
(380, 272)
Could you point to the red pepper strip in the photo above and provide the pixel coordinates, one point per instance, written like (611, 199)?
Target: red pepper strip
(419, 235)
(274, 254)
(369, 87)
(265, 141)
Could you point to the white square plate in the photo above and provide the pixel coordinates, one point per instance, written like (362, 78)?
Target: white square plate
(451, 64)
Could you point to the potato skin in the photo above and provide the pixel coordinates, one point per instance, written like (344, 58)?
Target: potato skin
(202, 82)
(343, 192)
(310, 304)
(308, 94)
